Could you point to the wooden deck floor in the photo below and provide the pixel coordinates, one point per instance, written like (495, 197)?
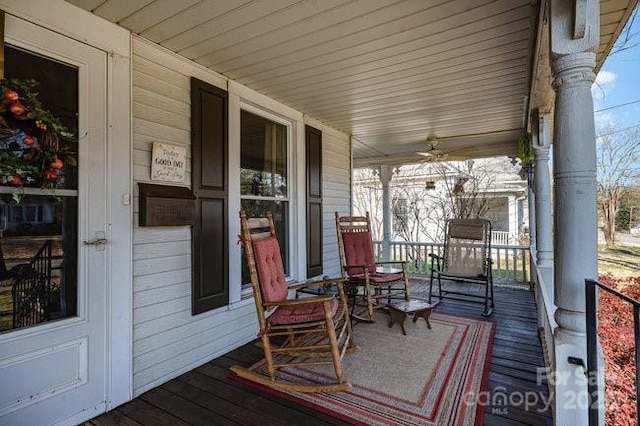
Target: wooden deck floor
(206, 395)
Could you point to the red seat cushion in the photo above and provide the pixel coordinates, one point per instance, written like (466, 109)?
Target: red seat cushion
(270, 269)
(358, 250)
(301, 313)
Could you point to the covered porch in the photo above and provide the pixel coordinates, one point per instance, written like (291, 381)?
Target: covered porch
(272, 105)
(209, 395)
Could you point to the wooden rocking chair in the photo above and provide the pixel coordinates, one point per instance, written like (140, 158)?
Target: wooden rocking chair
(466, 259)
(383, 282)
(312, 330)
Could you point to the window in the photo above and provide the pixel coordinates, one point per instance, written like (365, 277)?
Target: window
(264, 175)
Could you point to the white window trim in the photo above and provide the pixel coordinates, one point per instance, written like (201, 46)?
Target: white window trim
(293, 190)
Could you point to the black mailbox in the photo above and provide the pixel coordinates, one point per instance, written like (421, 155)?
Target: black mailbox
(163, 205)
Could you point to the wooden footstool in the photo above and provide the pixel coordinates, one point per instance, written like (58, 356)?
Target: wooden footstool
(398, 312)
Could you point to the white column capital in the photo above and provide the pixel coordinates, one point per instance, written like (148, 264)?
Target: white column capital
(574, 69)
(385, 173)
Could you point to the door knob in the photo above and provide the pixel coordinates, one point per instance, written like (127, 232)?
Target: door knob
(99, 241)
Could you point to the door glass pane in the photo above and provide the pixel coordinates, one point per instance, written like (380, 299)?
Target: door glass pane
(38, 190)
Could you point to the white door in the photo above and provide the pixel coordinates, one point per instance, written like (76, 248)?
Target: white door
(55, 370)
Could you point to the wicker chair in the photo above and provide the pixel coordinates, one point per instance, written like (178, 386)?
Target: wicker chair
(383, 282)
(466, 259)
(310, 330)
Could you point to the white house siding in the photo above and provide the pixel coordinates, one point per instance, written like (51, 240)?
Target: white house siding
(167, 339)
(336, 190)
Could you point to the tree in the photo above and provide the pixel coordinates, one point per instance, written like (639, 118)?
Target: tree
(618, 153)
(629, 210)
(468, 192)
(629, 37)
(367, 197)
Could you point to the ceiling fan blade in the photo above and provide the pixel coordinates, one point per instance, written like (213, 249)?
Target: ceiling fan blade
(431, 153)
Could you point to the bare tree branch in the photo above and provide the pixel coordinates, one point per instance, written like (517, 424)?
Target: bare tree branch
(618, 154)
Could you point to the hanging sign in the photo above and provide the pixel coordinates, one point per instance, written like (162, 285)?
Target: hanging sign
(168, 162)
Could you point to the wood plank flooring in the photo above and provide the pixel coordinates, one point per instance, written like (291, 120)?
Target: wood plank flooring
(207, 396)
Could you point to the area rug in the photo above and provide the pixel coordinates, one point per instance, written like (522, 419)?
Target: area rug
(428, 377)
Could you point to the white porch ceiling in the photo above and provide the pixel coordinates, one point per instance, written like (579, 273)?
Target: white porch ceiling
(388, 72)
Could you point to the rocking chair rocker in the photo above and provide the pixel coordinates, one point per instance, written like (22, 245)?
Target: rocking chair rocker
(315, 330)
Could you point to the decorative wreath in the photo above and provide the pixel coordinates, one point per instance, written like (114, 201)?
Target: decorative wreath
(33, 142)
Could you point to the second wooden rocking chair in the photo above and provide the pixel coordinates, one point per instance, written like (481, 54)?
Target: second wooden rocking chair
(383, 283)
(297, 332)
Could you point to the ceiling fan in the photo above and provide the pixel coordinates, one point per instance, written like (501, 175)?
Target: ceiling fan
(432, 152)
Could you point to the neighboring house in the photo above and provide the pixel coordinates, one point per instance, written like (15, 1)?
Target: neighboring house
(422, 196)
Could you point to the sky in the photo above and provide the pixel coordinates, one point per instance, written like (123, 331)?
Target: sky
(618, 82)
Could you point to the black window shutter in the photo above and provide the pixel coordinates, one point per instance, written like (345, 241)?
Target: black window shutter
(210, 232)
(313, 139)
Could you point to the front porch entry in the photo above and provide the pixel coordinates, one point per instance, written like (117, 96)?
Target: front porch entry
(57, 370)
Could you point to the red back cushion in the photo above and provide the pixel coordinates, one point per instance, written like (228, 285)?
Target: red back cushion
(358, 250)
(270, 269)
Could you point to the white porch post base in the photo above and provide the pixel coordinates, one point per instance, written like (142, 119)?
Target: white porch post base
(569, 383)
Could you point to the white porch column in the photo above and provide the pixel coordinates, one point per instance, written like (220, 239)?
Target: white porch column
(531, 206)
(574, 38)
(385, 173)
(544, 240)
(512, 203)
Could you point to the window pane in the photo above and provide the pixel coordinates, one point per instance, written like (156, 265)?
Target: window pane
(39, 234)
(23, 235)
(263, 157)
(57, 89)
(279, 210)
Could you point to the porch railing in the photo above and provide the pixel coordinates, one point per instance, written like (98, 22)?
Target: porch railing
(592, 346)
(31, 292)
(510, 263)
(502, 238)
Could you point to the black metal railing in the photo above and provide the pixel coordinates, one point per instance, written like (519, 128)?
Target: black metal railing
(592, 346)
(31, 292)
